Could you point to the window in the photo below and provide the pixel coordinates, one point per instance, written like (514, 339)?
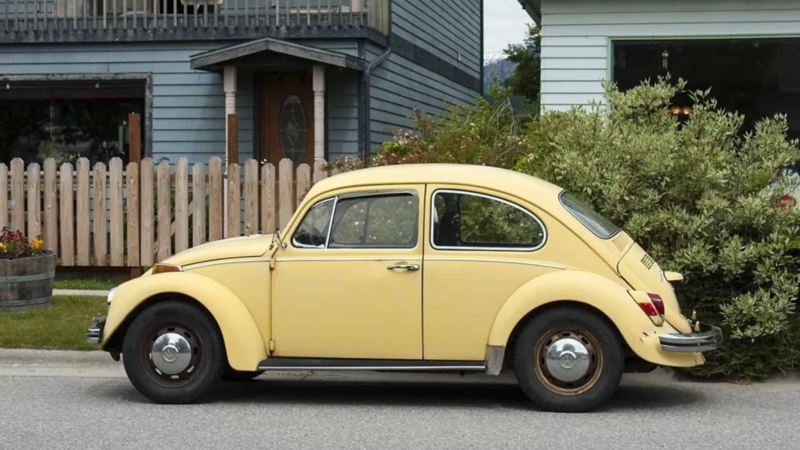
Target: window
(757, 77)
(379, 221)
(590, 218)
(469, 220)
(313, 230)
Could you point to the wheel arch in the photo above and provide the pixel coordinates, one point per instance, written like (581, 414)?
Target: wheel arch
(589, 291)
(245, 346)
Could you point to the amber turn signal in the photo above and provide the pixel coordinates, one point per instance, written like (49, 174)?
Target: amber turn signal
(165, 268)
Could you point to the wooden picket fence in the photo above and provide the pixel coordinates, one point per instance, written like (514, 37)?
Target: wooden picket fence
(136, 215)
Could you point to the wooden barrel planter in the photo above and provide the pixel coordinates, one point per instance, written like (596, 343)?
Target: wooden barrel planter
(27, 283)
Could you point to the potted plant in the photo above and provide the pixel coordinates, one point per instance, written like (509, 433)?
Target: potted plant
(27, 271)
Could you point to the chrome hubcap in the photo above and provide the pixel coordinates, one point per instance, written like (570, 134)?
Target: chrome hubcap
(567, 360)
(171, 353)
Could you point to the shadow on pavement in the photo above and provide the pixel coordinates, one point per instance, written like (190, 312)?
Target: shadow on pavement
(455, 395)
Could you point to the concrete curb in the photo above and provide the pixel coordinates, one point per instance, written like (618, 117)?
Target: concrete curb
(79, 293)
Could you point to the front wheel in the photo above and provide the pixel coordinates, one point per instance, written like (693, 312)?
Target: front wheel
(173, 353)
(569, 360)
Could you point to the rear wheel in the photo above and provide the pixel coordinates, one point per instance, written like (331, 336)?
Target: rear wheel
(173, 353)
(569, 360)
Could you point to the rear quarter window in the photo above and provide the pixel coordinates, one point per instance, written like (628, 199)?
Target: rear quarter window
(591, 219)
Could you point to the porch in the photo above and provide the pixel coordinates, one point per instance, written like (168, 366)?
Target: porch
(40, 21)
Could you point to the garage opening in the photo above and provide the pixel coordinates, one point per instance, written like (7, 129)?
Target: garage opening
(755, 77)
(69, 119)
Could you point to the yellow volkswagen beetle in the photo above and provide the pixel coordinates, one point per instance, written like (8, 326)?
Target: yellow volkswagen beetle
(411, 268)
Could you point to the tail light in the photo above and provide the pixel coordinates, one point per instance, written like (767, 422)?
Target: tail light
(654, 307)
(658, 302)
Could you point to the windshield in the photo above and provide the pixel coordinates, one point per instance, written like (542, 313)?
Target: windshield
(590, 218)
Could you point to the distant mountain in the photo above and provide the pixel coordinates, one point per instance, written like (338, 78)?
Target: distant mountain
(501, 68)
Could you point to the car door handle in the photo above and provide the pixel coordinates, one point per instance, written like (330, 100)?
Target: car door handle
(404, 267)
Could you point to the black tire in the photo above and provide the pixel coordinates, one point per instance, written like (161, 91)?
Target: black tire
(208, 359)
(600, 341)
(236, 376)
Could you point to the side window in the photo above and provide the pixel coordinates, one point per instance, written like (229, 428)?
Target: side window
(468, 220)
(379, 221)
(313, 230)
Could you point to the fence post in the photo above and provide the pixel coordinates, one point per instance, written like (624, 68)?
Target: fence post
(17, 195)
(250, 197)
(268, 198)
(181, 205)
(303, 183)
(67, 216)
(164, 211)
(215, 199)
(147, 205)
(234, 201)
(199, 204)
(34, 203)
(3, 196)
(117, 233)
(285, 192)
(50, 205)
(99, 222)
(132, 209)
(82, 216)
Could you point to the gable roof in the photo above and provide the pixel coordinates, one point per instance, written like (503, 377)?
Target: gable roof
(534, 9)
(215, 59)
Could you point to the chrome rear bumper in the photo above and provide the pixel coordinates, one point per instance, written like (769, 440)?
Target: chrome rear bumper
(94, 334)
(708, 338)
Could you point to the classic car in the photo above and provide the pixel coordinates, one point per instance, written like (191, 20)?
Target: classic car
(411, 268)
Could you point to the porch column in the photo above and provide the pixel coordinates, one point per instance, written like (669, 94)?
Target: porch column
(229, 86)
(319, 112)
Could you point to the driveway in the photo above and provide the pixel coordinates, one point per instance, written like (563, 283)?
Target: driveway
(82, 400)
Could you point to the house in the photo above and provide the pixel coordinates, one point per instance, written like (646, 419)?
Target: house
(745, 50)
(266, 79)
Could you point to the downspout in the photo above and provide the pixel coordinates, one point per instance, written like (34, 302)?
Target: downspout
(367, 100)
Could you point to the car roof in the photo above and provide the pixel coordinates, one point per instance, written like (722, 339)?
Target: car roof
(502, 180)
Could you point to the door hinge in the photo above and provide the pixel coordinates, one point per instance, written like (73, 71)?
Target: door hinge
(271, 345)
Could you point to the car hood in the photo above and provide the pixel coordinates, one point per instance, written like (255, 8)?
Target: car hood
(241, 247)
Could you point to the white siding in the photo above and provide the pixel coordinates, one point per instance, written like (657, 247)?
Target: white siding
(577, 35)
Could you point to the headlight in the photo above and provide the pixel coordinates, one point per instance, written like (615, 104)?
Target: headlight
(110, 295)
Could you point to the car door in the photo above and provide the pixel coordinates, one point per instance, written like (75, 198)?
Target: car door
(482, 247)
(348, 283)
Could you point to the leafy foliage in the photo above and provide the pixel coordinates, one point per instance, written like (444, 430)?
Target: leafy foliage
(700, 194)
(525, 81)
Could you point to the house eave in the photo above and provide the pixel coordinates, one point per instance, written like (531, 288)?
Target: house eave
(214, 60)
(534, 9)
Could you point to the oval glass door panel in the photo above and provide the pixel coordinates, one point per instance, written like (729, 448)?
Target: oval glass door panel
(293, 129)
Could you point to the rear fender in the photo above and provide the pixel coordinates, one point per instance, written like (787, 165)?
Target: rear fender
(597, 292)
(244, 344)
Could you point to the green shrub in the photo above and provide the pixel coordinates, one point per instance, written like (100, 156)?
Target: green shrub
(699, 193)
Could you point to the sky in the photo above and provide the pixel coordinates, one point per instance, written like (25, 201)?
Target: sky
(505, 22)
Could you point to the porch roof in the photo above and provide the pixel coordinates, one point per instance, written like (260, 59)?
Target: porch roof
(247, 54)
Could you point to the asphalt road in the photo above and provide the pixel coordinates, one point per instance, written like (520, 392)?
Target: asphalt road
(57, 400)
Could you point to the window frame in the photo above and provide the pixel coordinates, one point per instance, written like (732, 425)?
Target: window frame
(485, 249)
(354, 195)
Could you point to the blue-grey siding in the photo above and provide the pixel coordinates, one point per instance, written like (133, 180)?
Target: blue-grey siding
(399, 87)
(188, 106)
(450, 29)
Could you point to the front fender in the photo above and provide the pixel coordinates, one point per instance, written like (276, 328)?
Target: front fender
(243, 342)
(597, 292)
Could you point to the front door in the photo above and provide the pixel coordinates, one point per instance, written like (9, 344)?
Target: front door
(349, 282)
(286, 120)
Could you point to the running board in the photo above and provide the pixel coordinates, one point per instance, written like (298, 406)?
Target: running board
(370, 364)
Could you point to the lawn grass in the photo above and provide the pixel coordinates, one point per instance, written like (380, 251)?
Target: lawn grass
(96, 284)
(59, 326)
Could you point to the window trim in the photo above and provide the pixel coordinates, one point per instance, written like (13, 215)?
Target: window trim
(296, 244)
(485, 249)
(356, 195)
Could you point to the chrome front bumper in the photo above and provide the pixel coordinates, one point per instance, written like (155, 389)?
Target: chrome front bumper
(708, 338)
(94, 334)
